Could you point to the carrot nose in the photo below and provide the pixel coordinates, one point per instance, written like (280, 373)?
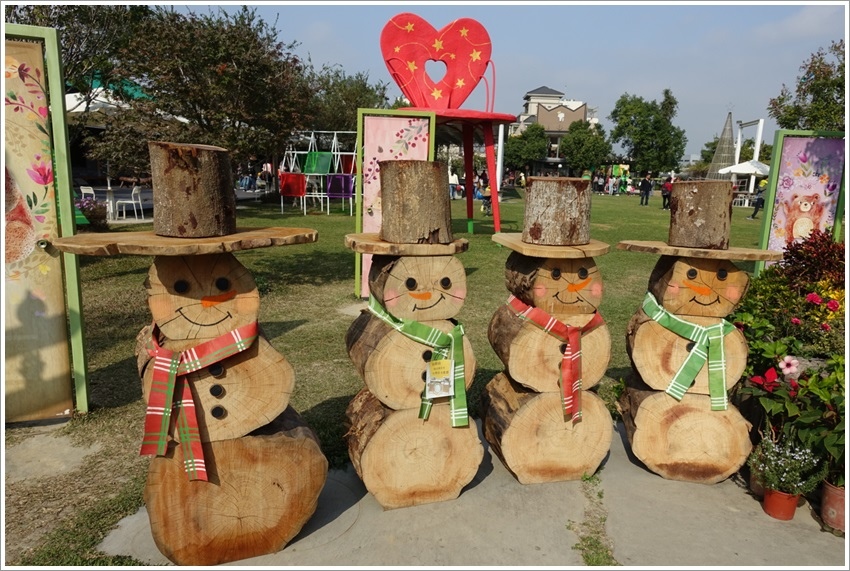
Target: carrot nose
(701, 290)
(423, 296)
(578, 286)
(211, 300)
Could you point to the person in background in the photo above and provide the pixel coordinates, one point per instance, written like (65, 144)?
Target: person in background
(666, 190)
(759, 200)
(486, 201)
(453, 182)
(645, 188)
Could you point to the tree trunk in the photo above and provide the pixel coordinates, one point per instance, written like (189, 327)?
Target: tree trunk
(415, 201)
(529, 433)
(404, 461)
(262, 490)
(533, 358)
(701, 214)
(657, 353)
(192, 190)
(685, 440)
(248, 390)
(392, 365)
(557, 211)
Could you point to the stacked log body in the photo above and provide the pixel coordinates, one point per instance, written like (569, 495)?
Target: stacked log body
(555, 287)
(407, 444)
(236, 472)
(684, 354)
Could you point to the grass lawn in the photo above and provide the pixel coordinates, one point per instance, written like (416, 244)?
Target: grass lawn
(307, 304)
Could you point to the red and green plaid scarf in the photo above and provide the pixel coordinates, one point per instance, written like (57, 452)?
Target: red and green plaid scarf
(571, 362)
(169, 370)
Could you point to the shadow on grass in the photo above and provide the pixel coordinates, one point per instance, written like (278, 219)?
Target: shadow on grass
(314, 268)
(328, 421)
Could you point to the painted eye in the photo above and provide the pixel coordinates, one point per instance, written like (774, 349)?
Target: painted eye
(223, 284)
(556, 274)
(692, 274)
(181, 286)
(445, 283)
(582, 273)
(722, 274)
(410, 284)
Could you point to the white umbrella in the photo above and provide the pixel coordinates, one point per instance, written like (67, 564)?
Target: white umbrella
(751, 167)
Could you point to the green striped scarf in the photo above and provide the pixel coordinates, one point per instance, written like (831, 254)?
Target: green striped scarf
(708, 344)
(445, 345)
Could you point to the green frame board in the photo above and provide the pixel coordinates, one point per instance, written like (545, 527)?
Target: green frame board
(781, 147)
(64, 194)
(362, 113)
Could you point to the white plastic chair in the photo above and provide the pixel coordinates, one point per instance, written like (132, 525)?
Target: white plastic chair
(87, 191)
(135, 201)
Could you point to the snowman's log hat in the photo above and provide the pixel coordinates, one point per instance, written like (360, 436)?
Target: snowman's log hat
(194, 211)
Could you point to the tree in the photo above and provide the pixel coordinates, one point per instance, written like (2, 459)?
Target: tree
(584, 147)
(818, 100)
(529, 146)
(220, 80)
(646, 132)
(748, 147)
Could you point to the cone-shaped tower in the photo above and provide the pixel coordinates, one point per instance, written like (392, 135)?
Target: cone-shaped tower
(724, 154)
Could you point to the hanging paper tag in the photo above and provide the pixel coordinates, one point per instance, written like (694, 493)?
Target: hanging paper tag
(438, 379)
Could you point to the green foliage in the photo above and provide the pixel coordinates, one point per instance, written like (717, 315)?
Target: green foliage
(819, 257)
(817, 101)
(337, 97)
(786, 466)
(530, 145)
(584, 146)
(646, 132)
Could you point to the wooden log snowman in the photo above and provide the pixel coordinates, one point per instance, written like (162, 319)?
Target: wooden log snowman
(684, 354)
(539, 417)
(409, 435)
(236, 472)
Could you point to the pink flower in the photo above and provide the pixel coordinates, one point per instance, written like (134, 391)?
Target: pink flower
(41, 173)
(796, 321)
(804, 158)
(788, 365)
(814, 298)
(832, 305)
(825, 326)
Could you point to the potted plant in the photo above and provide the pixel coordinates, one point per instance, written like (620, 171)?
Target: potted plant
(787, 470)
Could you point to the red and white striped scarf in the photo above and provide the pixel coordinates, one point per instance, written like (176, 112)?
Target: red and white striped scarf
(571, 362)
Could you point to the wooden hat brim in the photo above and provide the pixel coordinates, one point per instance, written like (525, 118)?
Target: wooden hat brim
(654, 247)
(515, 243)
(150, 244)
(370, 243)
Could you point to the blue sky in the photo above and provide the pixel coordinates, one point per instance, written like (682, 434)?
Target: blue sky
(715, 57)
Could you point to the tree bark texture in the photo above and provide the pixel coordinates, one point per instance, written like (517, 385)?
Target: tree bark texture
(528, 432)
(392, 365)
(557, 211)
(262, 490)
(415, 202)
(533, 357)
(684, 440)
(404, 461)
(701, 214)
(192, 190)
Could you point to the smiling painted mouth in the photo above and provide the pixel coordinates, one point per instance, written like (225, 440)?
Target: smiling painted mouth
(226, 316)
(558, 297)
(716, 300)
(416, 307)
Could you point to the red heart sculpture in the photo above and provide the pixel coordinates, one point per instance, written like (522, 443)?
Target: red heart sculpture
(408, 42)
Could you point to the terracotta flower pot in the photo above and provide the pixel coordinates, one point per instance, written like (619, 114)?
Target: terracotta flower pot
(832, 506)
(779, 505)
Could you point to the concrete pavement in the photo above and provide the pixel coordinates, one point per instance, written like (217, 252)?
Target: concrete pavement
(496, 521)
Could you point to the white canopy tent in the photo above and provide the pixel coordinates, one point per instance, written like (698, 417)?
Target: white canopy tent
(751, 167)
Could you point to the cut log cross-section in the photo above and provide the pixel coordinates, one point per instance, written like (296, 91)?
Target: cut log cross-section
(405, 461)
(262, 490)
(685, 440)
(528, 431)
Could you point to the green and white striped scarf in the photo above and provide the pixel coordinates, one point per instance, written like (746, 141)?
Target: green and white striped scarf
(708, 344)
(445, 345)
